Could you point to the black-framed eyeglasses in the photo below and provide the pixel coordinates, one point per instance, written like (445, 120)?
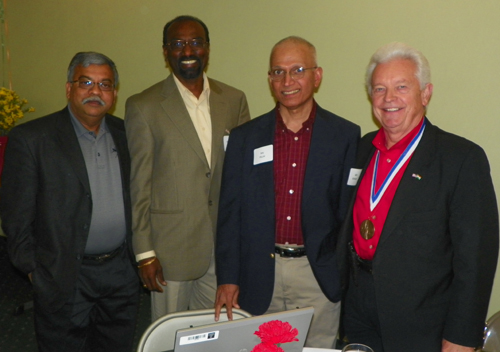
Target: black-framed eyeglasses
(193, 43)
(277, 74)
(105, 85)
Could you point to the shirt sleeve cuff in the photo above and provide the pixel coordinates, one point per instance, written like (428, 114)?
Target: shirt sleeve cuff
(145, 255)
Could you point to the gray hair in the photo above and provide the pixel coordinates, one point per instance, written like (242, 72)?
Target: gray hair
(297, 40)
(396, 50)
(88, 58)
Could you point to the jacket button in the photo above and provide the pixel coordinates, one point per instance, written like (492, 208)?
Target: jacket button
(272, 255)
(210, 202)
(208, 174)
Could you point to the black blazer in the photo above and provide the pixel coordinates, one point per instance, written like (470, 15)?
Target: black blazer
(435, 263)
(46, 203)
(246, 223)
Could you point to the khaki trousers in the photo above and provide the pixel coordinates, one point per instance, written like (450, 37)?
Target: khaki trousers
(179, 296)
(296, 287)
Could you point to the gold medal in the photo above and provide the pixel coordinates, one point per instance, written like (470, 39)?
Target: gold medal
(367, 229)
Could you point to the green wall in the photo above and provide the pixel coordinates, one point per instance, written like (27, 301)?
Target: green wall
(460, 38)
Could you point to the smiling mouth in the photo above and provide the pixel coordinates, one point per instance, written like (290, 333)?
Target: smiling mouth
(291, 92)
(188, 62)
(392, 109)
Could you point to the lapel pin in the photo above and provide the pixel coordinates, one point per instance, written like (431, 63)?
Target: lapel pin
(417, 176)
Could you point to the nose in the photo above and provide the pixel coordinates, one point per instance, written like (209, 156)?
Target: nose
(95, 90)
(288, 80)
(186, 49)
(389, 95)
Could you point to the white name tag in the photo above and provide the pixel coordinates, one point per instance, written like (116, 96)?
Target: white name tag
(263, 154)
(353, 177)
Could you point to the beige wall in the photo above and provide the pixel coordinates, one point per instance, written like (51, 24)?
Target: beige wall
(460, 38)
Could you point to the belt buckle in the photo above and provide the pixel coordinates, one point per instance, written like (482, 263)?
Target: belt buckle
(290, 252)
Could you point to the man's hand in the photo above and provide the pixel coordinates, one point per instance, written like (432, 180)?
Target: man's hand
(152, 274)
(227, 295)
(451, 347)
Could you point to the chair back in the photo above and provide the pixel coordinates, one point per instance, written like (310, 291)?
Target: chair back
(160, 335)
(492, 334)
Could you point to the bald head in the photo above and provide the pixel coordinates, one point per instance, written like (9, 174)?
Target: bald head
(295, 41)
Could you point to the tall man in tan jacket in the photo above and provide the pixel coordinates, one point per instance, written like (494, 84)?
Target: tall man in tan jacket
(177, 131)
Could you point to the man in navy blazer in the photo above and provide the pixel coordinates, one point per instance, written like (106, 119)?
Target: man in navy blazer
(421, 237)
(65, 207)
(284, 195)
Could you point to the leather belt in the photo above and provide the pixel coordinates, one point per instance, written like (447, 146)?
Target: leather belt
(105, 257)
(290, 252)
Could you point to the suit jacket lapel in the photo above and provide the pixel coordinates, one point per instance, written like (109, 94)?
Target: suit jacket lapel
(218, 113)
(176, 111)
(410, 187)
(69, 145)
(264, 178)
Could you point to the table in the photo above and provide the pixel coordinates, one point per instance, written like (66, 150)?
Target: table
(309, 349)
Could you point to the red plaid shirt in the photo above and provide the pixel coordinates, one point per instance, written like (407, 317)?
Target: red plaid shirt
(290, 158)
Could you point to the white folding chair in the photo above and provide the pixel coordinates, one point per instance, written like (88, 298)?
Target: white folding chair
(492, 334)
(160, 335)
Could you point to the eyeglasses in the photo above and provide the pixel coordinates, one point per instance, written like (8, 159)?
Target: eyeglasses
(277, 74)
(193, 43)
(105, 85)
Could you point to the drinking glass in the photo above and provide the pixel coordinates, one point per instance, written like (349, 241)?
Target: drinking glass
(356, 347)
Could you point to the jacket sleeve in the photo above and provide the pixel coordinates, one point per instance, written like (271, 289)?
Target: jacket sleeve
(18, 196)
(229, 219)
(141, 147)
(473, 226)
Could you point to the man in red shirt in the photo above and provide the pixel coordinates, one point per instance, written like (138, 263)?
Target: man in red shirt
(422, 233)
(284, 195)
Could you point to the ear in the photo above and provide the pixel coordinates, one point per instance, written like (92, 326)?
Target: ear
(427, 93)
(68, 89)
(318, 76)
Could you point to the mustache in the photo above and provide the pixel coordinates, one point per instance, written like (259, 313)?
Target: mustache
(97, 99)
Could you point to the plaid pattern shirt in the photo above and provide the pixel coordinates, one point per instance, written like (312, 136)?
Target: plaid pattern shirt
(290, 159)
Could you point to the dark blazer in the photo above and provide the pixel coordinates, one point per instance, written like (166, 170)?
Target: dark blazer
(246, 226)
(435, 263)
(46, 203)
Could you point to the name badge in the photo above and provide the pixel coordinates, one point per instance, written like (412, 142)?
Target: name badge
(353, 177)
(263, 154)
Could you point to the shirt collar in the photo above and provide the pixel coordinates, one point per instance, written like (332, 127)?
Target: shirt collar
(307, 123)
(80, 129)
(379, 140)
(186, 93)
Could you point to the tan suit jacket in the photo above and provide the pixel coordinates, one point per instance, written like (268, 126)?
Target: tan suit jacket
(175, 194)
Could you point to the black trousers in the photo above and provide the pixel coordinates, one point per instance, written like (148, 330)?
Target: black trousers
(361, 322)
(101, 315)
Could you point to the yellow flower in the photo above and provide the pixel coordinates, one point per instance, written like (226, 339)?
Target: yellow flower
(11, 109)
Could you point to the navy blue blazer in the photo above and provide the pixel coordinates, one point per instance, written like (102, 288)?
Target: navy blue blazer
(246, 223)
(435, 262)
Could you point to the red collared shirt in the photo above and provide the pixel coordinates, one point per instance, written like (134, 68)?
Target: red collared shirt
(361, 211)
(290, 158)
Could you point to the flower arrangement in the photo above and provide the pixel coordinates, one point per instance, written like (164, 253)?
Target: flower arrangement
(272, 334)
(11, 109)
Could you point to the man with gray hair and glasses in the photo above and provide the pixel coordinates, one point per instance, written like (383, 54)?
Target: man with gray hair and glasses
(420, 244)
(284, 194)
(65, 208)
